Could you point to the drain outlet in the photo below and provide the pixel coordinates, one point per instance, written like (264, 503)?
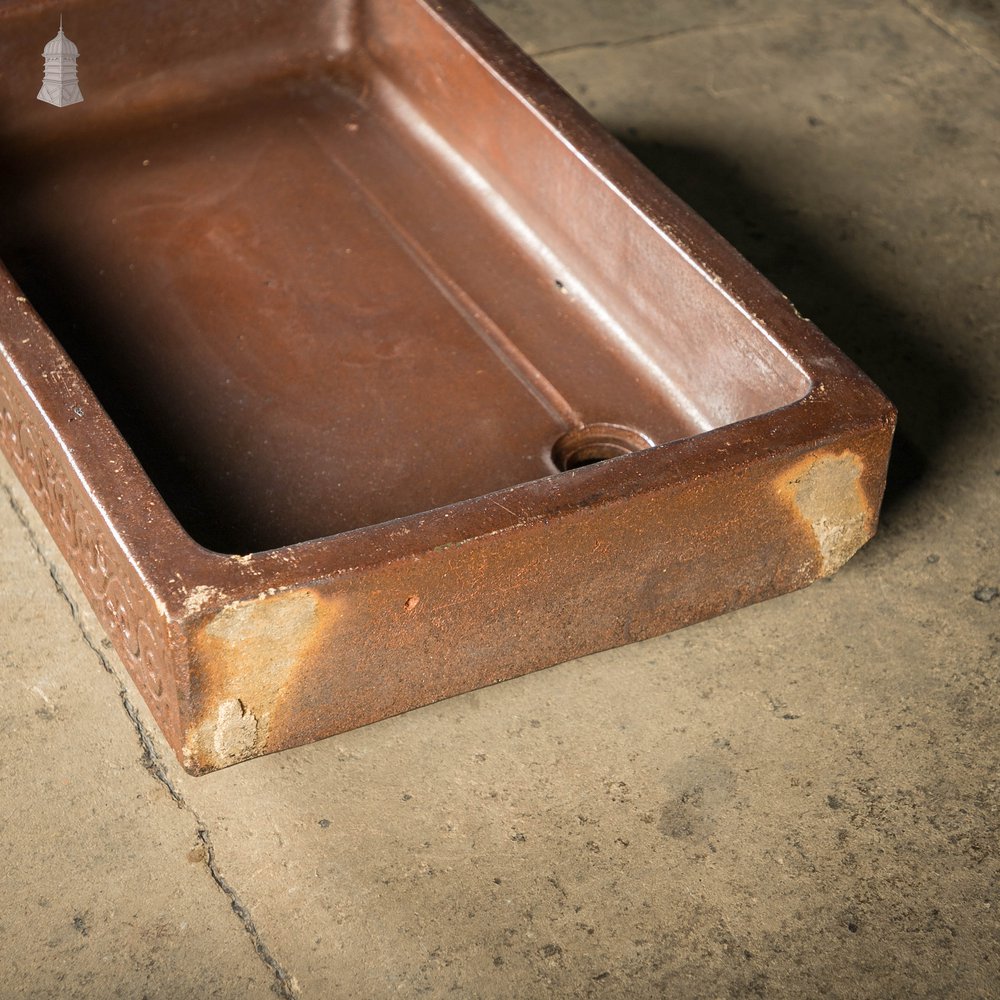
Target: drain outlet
(596, 443)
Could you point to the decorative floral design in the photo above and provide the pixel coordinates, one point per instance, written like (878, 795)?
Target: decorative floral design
(111, 584)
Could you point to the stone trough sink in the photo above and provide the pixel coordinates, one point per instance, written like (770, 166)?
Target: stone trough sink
(352, 365)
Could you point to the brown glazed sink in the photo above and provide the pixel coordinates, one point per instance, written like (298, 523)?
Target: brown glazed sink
(353, 365)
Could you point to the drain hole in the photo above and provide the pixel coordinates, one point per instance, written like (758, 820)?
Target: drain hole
(596, 443)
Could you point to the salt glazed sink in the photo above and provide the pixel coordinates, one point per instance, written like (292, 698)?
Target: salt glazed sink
(352, 365)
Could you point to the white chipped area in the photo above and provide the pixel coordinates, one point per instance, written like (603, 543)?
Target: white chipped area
(199, 598)
(829, 498)
(235, 736)
(253, 648)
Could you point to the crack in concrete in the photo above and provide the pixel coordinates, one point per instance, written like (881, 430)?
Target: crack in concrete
(285, 985)
(915, 6)
(946, 29)
(150, 758)
(658, 36)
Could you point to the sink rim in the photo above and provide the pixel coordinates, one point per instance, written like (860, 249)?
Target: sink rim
(160, 592)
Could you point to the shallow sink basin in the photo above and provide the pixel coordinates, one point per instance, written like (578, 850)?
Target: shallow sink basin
(353, 365)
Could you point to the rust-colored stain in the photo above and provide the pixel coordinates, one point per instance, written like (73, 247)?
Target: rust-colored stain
(352, 366)
(247, 656)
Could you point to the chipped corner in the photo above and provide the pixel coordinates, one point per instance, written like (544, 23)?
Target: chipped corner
(826, 492)
(247, 656)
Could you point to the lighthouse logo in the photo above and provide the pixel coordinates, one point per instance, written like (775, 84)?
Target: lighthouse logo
(60, 86)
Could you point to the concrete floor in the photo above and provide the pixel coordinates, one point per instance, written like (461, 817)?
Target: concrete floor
(799, 799)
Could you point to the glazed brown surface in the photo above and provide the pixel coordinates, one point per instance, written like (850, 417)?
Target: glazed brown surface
(304, 321)
(353, 365)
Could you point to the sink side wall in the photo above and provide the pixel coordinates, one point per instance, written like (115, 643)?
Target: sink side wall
(149, 646)
(494, 121)
(292, 666)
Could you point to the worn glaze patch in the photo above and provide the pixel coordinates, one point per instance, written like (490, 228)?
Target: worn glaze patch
(825, 491)
(249, 653)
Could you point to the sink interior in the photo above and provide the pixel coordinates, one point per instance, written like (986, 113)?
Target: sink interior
(310, 307)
